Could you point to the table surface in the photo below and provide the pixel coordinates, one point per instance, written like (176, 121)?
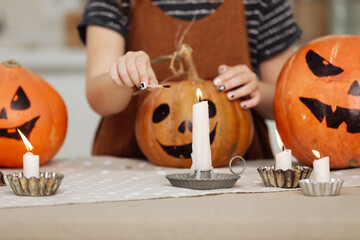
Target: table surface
(267, 214)
(277, 215)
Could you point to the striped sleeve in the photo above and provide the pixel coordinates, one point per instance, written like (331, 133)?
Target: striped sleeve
(271, 27)
(105, 13)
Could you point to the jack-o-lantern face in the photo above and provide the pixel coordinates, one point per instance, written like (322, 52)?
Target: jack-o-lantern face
(164, 125)
(19, 102)
(317, 101)
(30, 104)
(184, 150)
(323, 68)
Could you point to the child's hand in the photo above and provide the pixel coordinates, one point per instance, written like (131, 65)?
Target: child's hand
(133, 70)
(239, 82)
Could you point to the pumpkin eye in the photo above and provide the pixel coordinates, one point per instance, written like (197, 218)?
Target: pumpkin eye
(20, 100)
(319, 66)
(354, 89)
(160, 113)
(212, 108)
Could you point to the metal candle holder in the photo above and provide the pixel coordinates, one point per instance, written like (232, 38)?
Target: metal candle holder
(47, 184)
(312, 188)
(205, 180)
(283, 178)
(2, 180)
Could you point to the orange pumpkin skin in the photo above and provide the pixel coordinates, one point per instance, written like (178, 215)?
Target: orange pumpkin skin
(29, 103)
(317, 101)
(233, 126)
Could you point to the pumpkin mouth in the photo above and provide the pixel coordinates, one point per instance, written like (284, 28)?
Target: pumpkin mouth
(320, 110)
(184, 151)
(26, 129)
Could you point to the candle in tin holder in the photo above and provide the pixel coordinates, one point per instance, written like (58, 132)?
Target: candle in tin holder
(321, 168)
(201, 153)
(282, 159)
(30, 161)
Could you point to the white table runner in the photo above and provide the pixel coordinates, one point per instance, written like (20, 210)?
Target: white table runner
(104, 179)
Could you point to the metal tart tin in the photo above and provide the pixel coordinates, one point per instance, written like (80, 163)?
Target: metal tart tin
(311, 188)
(283, 179)
(2, 180)
(47, 184)
(205, 180)
(188, 180)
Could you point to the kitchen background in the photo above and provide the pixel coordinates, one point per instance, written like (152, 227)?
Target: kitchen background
(41, 35)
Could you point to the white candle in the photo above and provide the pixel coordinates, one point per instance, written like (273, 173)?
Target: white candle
(321, 170)
(31, 165)
(201, 153)
(30, 161)
(282, 159)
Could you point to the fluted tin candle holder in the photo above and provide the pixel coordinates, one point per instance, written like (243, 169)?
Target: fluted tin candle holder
(312, 188)
(46, 185)
(205, 180)
(2, 180)
(283, 178)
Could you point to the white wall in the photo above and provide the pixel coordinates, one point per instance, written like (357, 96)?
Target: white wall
(34, 23)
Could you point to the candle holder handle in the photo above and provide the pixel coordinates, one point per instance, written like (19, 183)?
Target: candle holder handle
(242, 170)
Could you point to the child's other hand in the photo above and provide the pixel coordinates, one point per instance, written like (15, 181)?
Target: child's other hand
(239, 82)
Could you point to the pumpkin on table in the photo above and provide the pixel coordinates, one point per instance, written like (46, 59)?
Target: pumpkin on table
(30, 104)
(317, 101)
(164, 121)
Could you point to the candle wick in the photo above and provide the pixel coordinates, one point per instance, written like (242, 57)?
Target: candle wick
(283, 147)
(199, 99)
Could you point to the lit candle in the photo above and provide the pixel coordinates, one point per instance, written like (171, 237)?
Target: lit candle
(201, 153)
(30, 161)
(282, 159)
(321, 168)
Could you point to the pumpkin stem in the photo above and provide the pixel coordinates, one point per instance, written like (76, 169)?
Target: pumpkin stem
(11, 63)
(191, 71)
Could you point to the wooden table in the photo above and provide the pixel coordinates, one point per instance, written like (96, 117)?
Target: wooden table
(278, 215)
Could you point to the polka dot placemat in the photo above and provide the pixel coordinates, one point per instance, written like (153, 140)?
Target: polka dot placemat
(102, 179)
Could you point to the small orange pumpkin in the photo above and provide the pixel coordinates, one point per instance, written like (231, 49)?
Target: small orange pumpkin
(164, 122)
(317, 101)
(29, 103)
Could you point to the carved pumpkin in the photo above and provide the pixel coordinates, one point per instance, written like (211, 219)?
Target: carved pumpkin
(164, 123)
(317, 101)
(29, 103)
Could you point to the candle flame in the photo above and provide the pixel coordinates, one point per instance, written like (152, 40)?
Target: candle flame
(28, 145)
(199, 94)
(316, 153)
(278, 140)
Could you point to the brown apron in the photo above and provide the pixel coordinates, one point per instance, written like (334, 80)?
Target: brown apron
(219, 38)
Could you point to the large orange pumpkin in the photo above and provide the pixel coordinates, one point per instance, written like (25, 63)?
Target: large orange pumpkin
(317, 101)
(29, 103)
(164, 123)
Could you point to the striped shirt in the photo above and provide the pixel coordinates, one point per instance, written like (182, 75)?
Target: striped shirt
(270, 23)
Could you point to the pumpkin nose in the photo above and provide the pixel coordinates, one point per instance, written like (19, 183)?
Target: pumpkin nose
(354, 89)
(3, 114)
(182, 126)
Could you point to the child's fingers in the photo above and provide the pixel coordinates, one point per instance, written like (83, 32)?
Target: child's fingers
(123, 73)
(114, 74)
(253, 101)
(132, 69)
(242, 91)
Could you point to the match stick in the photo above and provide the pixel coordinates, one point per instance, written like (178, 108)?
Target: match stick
(159, 86)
